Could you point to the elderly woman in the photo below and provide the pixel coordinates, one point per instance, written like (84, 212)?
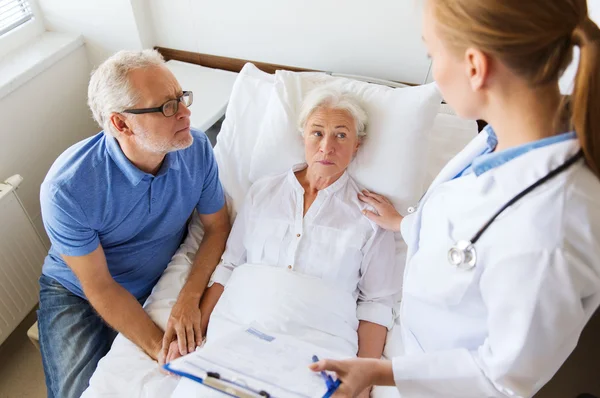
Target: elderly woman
(309, 221)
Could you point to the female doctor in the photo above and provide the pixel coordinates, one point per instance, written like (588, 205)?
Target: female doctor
(494, 310)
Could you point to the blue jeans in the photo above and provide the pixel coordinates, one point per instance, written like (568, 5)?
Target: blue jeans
(73, 338)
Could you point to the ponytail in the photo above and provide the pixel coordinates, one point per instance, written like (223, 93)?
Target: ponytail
(585, 101)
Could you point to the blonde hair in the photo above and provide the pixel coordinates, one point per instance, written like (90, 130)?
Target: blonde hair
(536, 40)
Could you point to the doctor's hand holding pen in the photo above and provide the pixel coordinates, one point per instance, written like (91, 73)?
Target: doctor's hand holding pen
(357, 375)
(387, 217)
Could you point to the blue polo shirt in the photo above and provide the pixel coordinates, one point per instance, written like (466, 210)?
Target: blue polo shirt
(93, 195)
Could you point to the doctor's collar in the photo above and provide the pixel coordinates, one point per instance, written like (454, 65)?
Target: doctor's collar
(490, 159)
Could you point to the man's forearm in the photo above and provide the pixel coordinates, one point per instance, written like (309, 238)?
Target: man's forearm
(206, 259)
(124, 313)
(371, 339)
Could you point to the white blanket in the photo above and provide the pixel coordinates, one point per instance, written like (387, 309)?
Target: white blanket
(276, 300)
(280, 301)
(284, 302)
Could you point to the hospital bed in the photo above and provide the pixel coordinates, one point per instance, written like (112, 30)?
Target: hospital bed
(126, 371)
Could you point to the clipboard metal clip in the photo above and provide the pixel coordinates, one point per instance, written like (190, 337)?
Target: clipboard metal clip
(232, 388)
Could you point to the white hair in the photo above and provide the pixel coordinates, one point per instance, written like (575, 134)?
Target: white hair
(110, 89)
(332, 98)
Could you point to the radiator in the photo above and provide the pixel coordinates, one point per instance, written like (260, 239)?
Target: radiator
(22, 254)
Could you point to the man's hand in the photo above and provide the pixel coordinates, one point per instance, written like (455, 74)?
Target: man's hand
(357, 375)
(184, 325)
(185, 320)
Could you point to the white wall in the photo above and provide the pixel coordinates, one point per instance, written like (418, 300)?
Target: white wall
(144, 22)
(40, 120)
(379, 38)
(107, 26)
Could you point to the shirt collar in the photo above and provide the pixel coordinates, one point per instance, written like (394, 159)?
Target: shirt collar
(490, 159)
(331, 189)
(133, 174)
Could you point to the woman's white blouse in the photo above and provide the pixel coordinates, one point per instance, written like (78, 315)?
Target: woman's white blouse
(334, 241)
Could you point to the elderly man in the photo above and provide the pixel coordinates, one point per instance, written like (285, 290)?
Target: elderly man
(115, 207)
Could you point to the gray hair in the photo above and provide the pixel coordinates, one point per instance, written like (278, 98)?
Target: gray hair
(332, 98)
(110, 89)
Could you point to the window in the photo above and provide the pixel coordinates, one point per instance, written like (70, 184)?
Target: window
(13, 13)
(20, 23)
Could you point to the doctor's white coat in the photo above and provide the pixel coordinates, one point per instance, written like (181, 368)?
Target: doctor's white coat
(506, 326)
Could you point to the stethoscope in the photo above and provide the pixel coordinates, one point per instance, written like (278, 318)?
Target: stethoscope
(463, 254)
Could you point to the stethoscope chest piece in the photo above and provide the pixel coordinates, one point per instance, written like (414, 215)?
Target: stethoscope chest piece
(463, 255)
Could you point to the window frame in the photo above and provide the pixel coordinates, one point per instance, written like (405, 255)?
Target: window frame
(20, 35)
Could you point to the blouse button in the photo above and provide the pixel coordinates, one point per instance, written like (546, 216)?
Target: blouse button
(289, 267)
(298, 235)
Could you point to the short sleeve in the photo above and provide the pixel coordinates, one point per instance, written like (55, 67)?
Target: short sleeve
(66, 224)
(212, 198)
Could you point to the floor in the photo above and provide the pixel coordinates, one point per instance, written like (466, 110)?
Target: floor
(21, 374)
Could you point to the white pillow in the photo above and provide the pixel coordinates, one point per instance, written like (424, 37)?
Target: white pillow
(238, 136)
(393, 157)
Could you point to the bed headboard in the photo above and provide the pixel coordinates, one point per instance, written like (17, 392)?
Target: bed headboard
(236, 65)
(225, 63)
(233, 64)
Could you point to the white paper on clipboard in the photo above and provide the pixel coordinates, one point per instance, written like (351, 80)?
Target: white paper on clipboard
(277, 364)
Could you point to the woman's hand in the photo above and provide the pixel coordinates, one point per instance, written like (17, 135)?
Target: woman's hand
(387, 217)
(357, 375)
(172, 354)
(365, 394)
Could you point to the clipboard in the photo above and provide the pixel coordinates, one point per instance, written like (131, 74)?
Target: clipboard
(223, 368)
(230, 388)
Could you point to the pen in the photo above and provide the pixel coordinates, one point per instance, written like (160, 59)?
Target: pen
(328, 380)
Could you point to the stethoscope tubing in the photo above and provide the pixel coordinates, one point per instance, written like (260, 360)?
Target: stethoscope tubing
(527, 190)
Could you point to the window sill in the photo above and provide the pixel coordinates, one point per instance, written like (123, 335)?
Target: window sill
(23, 64)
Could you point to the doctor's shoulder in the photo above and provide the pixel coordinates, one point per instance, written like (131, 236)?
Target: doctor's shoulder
(563, 214)
(581, 212)
(566, 218)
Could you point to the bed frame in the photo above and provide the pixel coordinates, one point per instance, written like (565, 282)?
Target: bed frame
(236, 65)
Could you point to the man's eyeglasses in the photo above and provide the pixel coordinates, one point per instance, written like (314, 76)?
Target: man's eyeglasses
(169, 108)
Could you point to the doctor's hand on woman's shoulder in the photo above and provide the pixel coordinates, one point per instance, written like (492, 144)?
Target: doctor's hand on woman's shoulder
(357, 375)
(387, 217)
